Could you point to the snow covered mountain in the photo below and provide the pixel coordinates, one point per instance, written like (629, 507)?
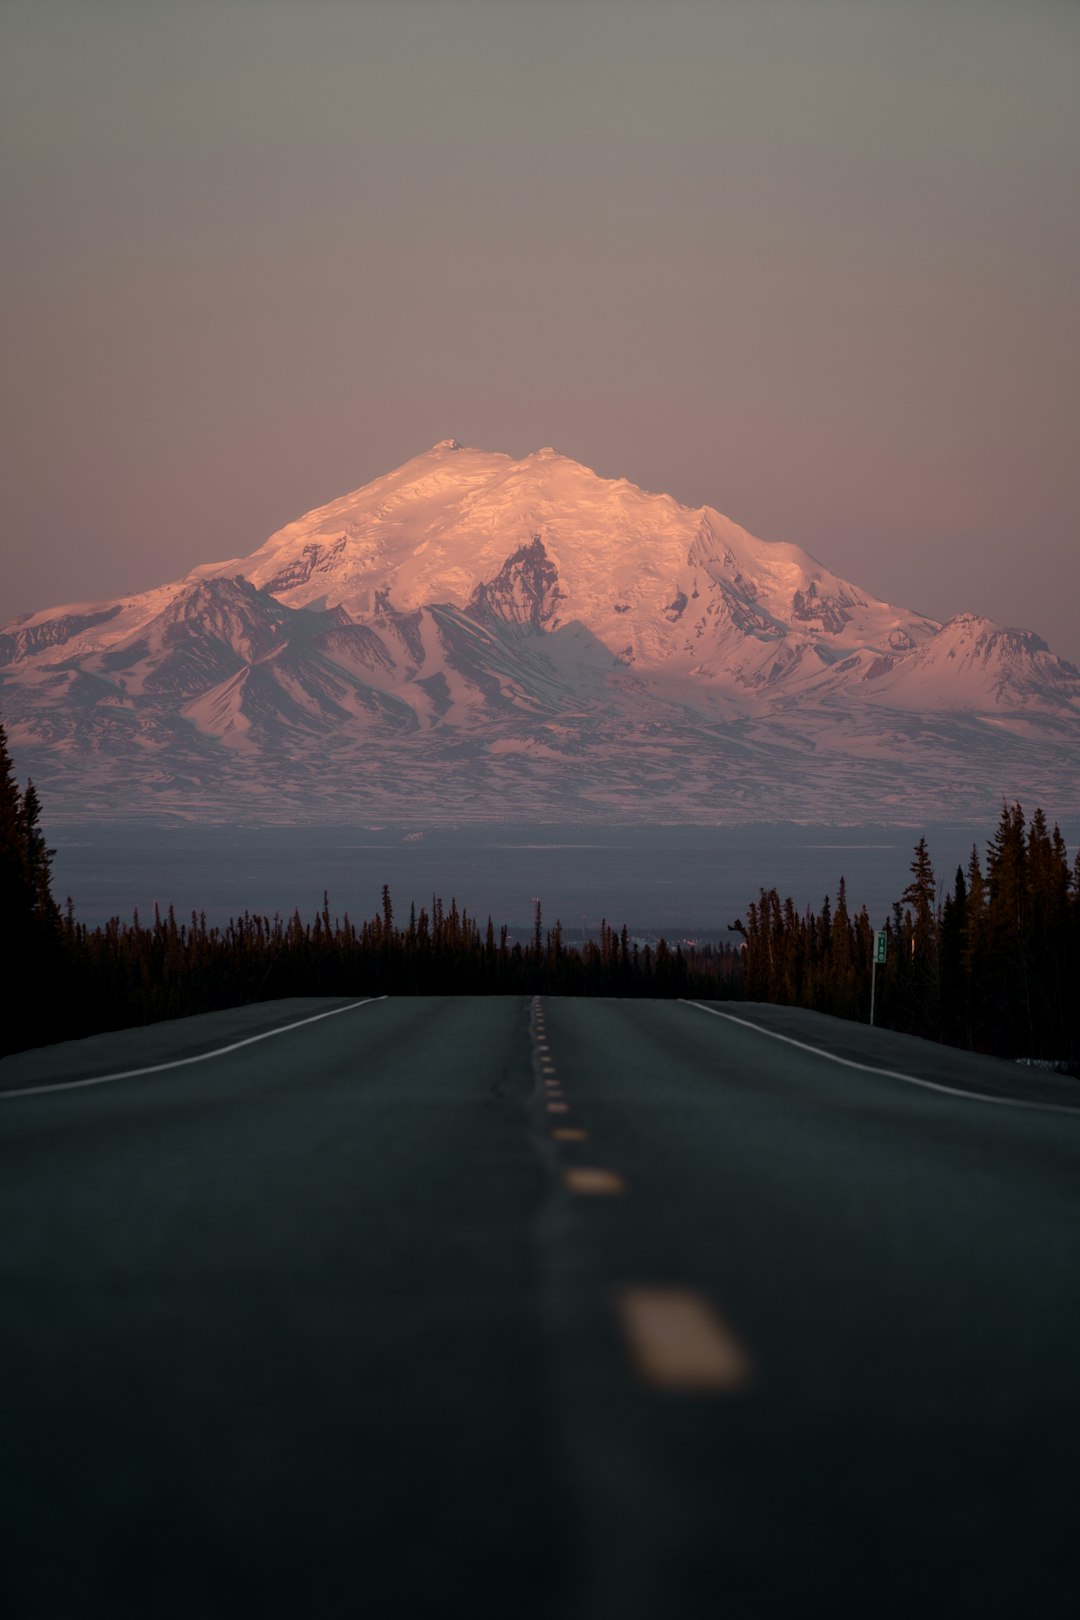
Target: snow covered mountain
(473, 636)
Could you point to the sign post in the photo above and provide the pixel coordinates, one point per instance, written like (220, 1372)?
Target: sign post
(881, 951)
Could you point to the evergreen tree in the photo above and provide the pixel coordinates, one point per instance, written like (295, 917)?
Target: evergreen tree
(29, 917)
(16, 895)
(921, 896)
(38, 859)
(952, 979)
(1008, 1014)
(844, 992)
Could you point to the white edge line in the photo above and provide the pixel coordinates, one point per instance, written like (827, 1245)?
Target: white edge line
(889, 1074)
(179, 1063)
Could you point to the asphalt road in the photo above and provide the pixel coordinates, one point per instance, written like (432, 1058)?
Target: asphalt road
(557, 1309)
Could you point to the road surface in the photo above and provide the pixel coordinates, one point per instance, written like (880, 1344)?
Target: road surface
(538, 1310)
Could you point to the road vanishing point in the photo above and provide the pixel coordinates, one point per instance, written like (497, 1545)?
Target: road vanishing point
(537, 1309)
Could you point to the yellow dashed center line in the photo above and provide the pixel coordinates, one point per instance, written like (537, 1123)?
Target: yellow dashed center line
(593, 1182)
(678, 1342)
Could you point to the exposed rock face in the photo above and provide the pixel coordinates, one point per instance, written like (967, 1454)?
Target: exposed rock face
(810, 607)
(17, 643)
(524, 591)
(313, 559)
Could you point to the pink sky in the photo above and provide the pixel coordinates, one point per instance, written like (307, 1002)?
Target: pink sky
(811, 261)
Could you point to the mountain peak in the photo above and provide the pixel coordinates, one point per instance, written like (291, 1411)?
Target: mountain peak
(990, 636)
(658, 583)
(483, 630)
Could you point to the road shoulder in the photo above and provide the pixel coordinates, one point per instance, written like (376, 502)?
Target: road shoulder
(926, 1061)
(173, 1040)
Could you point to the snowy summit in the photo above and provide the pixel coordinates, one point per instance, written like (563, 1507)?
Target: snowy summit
(471, 634)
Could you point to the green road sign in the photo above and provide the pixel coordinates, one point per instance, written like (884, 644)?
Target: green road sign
(882, 942)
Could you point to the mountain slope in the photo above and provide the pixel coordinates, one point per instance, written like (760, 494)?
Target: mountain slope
(472, 635)
(653, 580)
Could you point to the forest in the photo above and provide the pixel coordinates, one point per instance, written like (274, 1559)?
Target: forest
(991, 963)
(68, 980)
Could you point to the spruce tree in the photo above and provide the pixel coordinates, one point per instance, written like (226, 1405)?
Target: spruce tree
(38, 858)
(16, 904)
(921, 896)
(952, 981)
(29, 916)
(1007, 964)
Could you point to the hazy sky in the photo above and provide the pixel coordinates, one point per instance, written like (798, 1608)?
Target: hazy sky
(816, 262)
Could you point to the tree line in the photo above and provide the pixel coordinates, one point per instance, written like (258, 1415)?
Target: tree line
(67, 979)
(991, 963)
